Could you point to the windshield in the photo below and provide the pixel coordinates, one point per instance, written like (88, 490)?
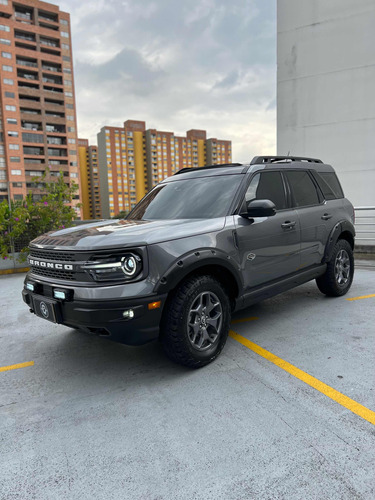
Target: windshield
(200, 198)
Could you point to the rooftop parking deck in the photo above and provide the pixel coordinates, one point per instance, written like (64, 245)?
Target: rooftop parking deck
(87, 418)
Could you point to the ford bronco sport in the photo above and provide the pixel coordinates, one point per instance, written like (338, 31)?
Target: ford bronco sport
(201, 244)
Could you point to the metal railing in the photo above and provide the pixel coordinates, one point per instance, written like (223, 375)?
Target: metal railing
(365, 224)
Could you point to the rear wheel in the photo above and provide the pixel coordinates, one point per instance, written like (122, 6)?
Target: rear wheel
(196, 322)
(338, 277)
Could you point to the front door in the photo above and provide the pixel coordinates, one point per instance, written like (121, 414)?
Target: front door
(269, 247)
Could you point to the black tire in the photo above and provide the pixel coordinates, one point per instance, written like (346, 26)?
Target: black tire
(337, 279)
(180, 335)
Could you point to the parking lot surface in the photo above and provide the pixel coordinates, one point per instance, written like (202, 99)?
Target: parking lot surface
(87, 418)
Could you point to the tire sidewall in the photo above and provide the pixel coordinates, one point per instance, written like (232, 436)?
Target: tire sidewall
(207, 285)
(342, 245)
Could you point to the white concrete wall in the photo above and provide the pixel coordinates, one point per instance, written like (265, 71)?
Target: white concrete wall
(326, 88)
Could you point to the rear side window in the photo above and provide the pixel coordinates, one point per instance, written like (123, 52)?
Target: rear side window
(267, 186)
(304, 192)
(329, 184)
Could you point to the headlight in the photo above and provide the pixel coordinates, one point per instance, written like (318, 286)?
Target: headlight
(115, 268)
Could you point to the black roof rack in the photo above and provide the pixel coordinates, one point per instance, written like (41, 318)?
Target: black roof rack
(274, 159)
(193, 169)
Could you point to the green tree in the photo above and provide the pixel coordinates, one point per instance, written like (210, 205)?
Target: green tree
(121, 215)
(24, 220)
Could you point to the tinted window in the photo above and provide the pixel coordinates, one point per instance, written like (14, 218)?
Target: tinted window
(267, 186)
(202, 198)
(331, 179)
(303, 188)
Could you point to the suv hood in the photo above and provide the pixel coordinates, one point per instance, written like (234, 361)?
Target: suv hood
(126, 233)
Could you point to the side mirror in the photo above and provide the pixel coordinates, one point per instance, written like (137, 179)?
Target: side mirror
(260, 208)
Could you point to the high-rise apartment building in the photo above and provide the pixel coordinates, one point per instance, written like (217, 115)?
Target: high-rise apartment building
(90, 184)
(38, 128)
(132, 160)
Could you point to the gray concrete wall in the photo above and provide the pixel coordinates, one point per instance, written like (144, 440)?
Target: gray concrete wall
(326, 87)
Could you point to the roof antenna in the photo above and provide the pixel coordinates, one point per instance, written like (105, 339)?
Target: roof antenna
(288, 153)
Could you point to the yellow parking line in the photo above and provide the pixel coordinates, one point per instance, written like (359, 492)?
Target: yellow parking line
(362, 297)
(325, 389)
(15, 367)
(243, 320)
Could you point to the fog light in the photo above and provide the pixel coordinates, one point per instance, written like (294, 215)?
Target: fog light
(59, 294)
(30, 287)
(128, 314)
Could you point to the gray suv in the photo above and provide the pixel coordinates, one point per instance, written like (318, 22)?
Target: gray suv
(201, 244)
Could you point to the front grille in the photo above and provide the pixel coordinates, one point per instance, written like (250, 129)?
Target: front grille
(53, 273)
(60, 257)
(52, 255)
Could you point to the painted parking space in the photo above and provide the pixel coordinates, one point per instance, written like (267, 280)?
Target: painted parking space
(92, 415)
(320, 386)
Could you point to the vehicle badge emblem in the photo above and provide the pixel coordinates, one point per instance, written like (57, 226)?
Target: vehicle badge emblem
(251, 256)
(44, 309)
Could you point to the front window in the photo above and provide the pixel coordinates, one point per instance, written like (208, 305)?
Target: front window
(200, 198)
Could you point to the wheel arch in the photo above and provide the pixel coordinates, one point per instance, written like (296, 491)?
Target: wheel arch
(210, 262)
(343, 230)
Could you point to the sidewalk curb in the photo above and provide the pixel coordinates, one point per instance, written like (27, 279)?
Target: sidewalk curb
(14, 271)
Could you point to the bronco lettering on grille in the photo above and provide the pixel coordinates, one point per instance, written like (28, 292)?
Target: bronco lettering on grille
(50, 265)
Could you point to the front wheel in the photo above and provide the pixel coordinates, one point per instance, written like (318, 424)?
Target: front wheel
(196, 322)
(338, 277)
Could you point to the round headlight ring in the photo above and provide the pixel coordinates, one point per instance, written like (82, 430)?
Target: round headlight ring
(129, 265)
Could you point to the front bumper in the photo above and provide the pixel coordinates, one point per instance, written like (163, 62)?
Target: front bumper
(105, 317)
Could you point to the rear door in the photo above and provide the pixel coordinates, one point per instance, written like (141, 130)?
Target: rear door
(269, 247)
(312, 212)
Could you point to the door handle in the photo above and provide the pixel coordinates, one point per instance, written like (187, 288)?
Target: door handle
(288, 224)
(326, 216)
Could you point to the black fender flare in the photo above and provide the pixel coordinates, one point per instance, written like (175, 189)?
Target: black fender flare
(340, 227)
(193, 260)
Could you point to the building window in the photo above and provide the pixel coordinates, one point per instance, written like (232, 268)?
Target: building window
(3, 2)
(4, 41)
(64, 34)
(12, 121)
(69, 94)
(14, 146)
(66, 58)
(71, 129)
(67, 70)
(10, 94)
(69, 105)
(12, 133)
(73, 174)
(7, 68)
(7, 55)
(70, 117)
(8, 107)
(15, 172)
(4, 28)
(64, 22)
(65, 46)
(8, 81)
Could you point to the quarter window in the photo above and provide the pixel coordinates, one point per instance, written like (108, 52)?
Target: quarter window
(267, 186)
(303, 188)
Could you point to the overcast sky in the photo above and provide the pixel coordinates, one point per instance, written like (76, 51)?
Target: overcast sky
(178, 64)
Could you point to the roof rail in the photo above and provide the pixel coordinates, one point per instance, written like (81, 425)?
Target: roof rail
(274, 159)
(193, 169)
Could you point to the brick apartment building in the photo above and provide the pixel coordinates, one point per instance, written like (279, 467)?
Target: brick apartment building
(132, 160)
(90, 185)
(37, 105)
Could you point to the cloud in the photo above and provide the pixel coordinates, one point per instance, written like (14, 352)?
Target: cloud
(207, 64)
